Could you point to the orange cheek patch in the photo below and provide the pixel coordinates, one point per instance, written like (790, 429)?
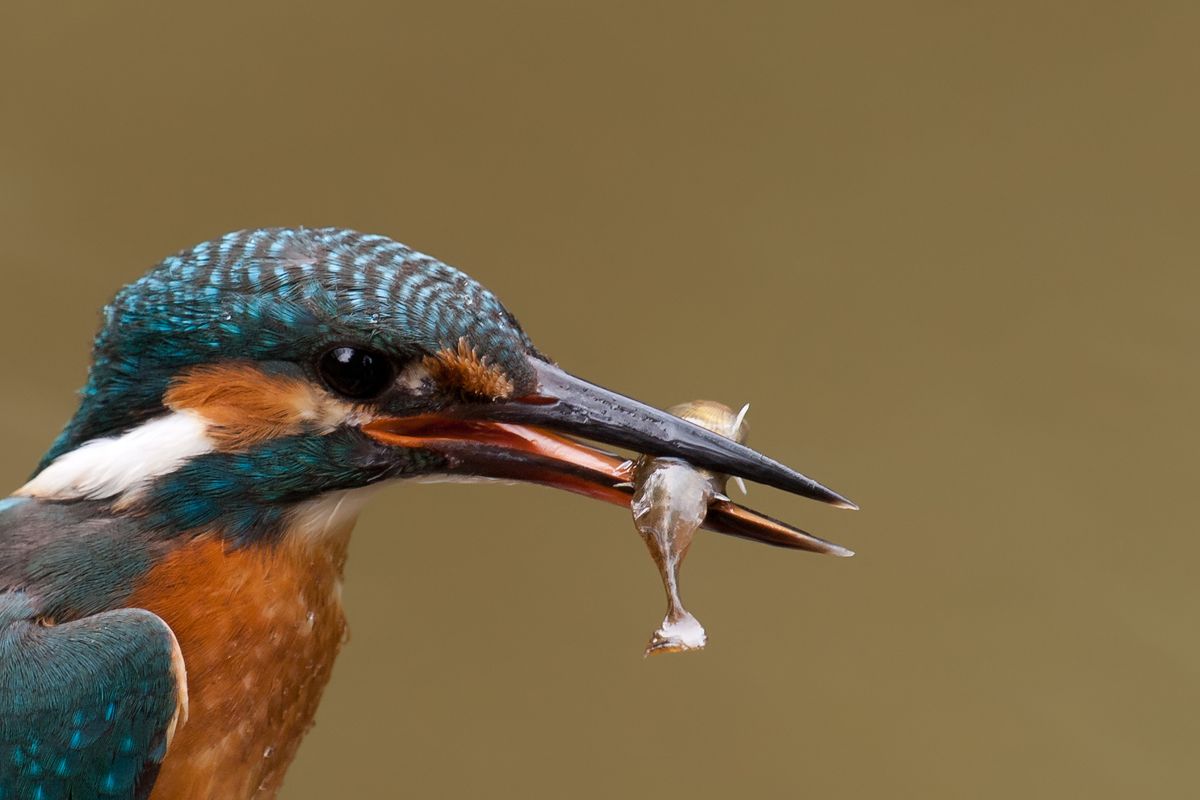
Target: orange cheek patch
(462, 369)
(245, 406)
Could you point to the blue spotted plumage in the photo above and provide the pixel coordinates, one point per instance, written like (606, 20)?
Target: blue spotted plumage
(87, 707)
(278, 294)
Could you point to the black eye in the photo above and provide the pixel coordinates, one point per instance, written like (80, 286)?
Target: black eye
(356, 373)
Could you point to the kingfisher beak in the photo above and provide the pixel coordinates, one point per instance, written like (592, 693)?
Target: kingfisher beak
(519, 439)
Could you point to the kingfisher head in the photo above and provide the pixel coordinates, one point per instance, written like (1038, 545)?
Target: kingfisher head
(244, 382)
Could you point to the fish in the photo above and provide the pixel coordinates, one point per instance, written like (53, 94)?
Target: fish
(671, 499)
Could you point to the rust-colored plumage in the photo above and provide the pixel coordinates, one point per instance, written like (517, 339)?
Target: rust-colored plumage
(259, 628)
(246, 406)
(463, 370)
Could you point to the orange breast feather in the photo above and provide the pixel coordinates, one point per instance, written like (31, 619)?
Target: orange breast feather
(259, 628)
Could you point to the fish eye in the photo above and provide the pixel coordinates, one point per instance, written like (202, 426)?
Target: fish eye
(356, 372)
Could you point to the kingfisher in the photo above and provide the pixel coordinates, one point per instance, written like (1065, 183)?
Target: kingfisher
(170, 575)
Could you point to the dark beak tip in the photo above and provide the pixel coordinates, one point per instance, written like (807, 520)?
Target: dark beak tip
(826, 495)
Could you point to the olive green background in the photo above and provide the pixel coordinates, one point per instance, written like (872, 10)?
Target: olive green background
(947, 250)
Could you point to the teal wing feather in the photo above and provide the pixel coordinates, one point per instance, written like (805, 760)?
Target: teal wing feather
(87, 708)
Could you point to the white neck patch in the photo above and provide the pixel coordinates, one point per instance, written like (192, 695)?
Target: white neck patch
(121, 466)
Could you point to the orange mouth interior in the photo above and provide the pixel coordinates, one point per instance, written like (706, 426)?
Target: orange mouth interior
(434, 432)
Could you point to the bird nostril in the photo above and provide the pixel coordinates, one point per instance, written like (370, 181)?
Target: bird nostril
(536, 400)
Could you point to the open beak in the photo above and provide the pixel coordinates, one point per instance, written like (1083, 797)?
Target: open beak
(516, 440)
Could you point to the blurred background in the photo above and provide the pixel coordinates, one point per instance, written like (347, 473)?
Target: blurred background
(946, 250)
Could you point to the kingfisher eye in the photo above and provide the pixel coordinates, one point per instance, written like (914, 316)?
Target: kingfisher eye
(356, 373)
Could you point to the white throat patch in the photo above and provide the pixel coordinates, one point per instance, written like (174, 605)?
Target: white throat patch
(329, 516)
(121, 466)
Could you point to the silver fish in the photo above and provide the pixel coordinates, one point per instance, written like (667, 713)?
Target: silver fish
(670, 501)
